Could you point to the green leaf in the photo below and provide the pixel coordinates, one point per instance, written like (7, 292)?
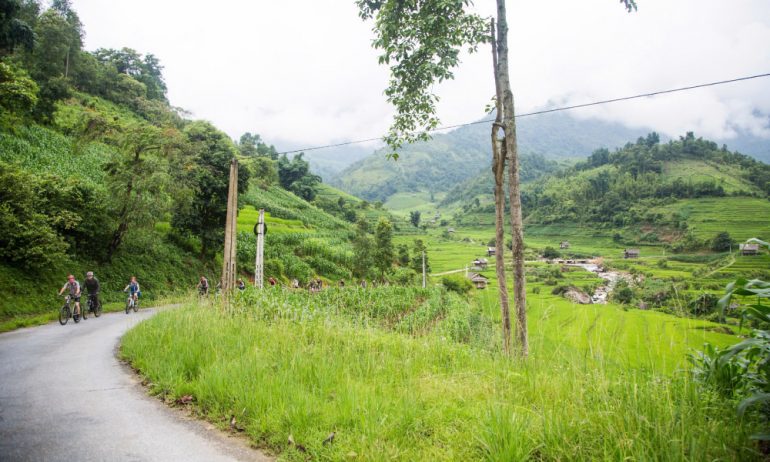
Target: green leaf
(757, 398)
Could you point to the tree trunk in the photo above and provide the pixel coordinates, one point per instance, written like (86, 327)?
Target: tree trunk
(498, 168)
(514, 190)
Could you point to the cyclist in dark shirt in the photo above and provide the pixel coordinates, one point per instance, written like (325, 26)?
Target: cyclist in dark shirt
(92, 285)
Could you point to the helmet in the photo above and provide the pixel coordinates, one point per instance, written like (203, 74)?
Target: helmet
(90, 274)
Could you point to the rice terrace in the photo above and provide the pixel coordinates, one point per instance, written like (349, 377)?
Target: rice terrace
(422, 230)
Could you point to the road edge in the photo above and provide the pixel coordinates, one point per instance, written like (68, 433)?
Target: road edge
(234, 444)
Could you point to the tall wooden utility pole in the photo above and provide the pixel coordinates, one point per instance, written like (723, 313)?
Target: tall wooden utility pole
(231, 227)
(423, 269)
(259, 268)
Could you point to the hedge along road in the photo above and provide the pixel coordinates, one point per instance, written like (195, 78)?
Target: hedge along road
(65, 396)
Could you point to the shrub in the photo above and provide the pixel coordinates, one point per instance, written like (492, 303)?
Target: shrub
(623, 293)
(457, 284)
(551, 253)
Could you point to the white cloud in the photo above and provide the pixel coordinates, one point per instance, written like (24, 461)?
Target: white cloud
(303, 72)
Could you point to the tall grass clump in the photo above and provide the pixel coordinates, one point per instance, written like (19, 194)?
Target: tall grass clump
(405, 374)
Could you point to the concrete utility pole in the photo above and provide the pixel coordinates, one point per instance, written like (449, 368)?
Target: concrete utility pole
(259, 269)
(231, 227)
(423, 269)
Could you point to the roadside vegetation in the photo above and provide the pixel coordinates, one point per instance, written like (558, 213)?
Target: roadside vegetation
(411, 374)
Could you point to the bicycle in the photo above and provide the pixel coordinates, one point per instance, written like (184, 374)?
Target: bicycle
(65, 312)
(96, 310)
(132, 304)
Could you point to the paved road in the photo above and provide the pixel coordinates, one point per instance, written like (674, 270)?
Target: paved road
(65, 397)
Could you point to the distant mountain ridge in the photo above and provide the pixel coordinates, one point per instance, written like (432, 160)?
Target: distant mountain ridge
(450, 159)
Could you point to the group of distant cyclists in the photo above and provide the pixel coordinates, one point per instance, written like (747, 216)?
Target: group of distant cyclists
(91, 284)
(203, 286)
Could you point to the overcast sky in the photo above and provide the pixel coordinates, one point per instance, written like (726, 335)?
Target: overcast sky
(304, 73)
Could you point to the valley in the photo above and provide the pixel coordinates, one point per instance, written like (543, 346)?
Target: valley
(378, 327)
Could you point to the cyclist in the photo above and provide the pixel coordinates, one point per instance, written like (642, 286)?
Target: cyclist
(92, 285)
(74, 288)
(133, 289)
(203, 287)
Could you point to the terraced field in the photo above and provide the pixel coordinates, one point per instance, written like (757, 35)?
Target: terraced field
(742, 217)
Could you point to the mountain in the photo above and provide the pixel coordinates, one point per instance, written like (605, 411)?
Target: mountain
(453, 160)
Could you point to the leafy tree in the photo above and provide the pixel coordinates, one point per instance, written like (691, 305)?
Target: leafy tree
(421, 42)
(27, 237)
(363, 250)
(14, 31)
(722, 242)
(264, 170)
(18, 92)
(383, 242)
(294, 175)
(138, 179)
(414, 218)
(417, 250)
(207, 175)
(144, 69)
(251, 144)
(42, 217)
(403, 255)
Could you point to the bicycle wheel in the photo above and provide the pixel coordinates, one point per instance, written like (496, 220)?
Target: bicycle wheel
(83, 312)
(64, 314)
(128, 306)
(98, 310)
(136, 306)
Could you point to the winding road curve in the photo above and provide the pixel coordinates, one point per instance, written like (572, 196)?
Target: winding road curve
(64, 396)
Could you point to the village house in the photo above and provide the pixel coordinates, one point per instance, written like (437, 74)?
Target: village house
(490, 251)
(478, 280)
(631, 253)
(749, 249)
(480, 264)
(564, 245)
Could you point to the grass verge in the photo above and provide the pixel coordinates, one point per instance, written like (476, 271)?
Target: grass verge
(296, 364)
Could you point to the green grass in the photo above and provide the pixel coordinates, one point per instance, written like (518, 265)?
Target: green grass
(602, 383)
(405, 202)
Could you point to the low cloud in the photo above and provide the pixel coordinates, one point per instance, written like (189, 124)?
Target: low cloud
(304, 71)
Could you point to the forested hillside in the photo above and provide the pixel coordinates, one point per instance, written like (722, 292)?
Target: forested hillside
(440, 164)
(99, 172)
(682, 192)
(619, 187)
(458, 162)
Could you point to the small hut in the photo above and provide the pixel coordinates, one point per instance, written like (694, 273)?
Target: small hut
(450, 230)
(478, 280)
(490, 251)
(480, 264)
(631, 253)
(564, 245)
(749, 249)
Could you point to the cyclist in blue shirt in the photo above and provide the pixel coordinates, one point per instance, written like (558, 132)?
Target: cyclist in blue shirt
(133, 288)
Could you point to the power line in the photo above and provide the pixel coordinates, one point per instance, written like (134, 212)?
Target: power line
(546, 111)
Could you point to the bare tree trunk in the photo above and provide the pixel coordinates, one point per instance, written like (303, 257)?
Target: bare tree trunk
(498, 168)
(514, 190)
